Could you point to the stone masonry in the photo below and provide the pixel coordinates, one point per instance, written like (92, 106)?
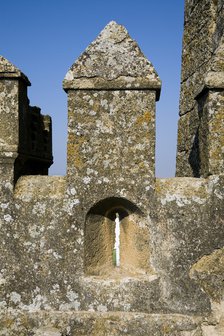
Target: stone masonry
(200, 142)
(58, 275)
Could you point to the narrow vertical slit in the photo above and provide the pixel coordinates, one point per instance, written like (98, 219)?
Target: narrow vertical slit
(117, 241)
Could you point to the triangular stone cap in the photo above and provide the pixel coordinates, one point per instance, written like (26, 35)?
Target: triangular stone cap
(112, 61)
(9, 70)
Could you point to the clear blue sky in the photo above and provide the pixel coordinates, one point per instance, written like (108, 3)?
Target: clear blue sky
(44, 37)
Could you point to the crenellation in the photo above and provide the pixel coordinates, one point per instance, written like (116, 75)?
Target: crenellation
(59, 273)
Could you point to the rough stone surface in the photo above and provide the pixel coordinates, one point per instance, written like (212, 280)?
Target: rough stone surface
(57, 274)
(202, 69)
(209, 273)
(211, 140)
(89, 323)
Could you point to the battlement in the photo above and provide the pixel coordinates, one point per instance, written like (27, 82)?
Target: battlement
(109, 249)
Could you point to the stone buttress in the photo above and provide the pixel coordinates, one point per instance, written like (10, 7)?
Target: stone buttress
(58, 271)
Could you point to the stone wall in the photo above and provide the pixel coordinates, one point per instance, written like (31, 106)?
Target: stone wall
(202, 40)
(57, 276)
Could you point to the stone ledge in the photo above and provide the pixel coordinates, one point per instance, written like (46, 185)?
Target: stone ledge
(121, 83)
(55, 323)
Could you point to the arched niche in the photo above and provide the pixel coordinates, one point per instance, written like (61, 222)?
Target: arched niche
(134, 253)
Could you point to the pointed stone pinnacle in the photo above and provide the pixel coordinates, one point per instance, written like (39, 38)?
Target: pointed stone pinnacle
(9, 70)
(113, 60)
